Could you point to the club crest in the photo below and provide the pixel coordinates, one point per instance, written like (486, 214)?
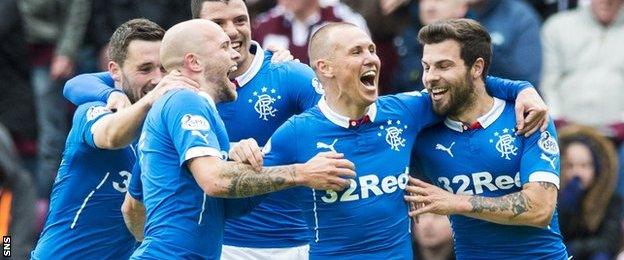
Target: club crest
(505, 143)
(264, 102)
(392, 132)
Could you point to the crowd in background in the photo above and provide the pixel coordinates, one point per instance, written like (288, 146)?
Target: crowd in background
(570, 50)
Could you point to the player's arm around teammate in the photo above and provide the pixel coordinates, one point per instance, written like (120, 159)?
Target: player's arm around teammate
(119, 129)
(327, 170)
(532, 206)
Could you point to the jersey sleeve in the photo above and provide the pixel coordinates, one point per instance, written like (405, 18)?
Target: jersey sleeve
(91, 87)
(281, 149)
(86, 115)
(303, 86)
(504, 88)
(418, 104)
(540, 158)
(189, 120)
(135, 189)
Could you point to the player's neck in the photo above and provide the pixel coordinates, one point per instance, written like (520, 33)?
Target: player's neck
(211, 90)
(345, 107)
(204, 86)
(478, 106)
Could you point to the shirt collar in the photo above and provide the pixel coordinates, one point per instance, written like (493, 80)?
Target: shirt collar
(207, 97)
(339, 119)
(484, 120)
(253, 69)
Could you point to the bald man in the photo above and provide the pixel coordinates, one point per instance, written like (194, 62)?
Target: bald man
(370, 219)
(183, 146)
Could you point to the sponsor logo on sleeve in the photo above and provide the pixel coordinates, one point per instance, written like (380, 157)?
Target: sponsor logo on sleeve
(94, 112)
(548, 144)
(195, 123)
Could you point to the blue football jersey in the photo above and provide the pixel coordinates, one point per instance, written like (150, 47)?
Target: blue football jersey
(268, 95)
(492, 161)
(84, 219)
(369, 219)
(181, 220)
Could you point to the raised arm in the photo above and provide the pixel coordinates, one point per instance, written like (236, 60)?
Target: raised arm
(119, 129)
(531, 111)
(91, 87)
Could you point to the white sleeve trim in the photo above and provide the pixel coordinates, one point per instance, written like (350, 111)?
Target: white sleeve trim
(201, 151)
(544, 176)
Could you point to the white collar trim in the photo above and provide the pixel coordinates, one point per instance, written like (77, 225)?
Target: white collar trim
(254, 68)
(484, 120)
(207, 97)
(339, 119)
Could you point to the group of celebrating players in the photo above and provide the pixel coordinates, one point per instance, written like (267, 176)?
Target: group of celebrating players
(318, 164)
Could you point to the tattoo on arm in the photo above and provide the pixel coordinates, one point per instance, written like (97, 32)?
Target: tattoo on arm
(517, 203)
(246, 182)
(547, 186)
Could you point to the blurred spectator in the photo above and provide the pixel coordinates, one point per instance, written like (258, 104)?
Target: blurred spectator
(589, 210)
(583, 77)
(515, 30)
(17, 200)
(16, 101)
(546, 8)
(106, 16)
(54, 31)
(291, 22)
(433, 238)
(256, 7)
(408, 76)
(385, 19)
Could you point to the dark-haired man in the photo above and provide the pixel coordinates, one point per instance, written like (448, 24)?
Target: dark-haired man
(499, 188)
(84, 219)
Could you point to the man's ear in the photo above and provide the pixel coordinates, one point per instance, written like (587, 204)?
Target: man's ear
(115, 71)
(477, 69)
(324, 68)
(193, 62)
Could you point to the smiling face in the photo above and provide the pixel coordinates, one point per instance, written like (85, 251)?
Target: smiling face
(233, 18)
(141, 70)
(447, 78)
(219, 63)
(356, 65)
